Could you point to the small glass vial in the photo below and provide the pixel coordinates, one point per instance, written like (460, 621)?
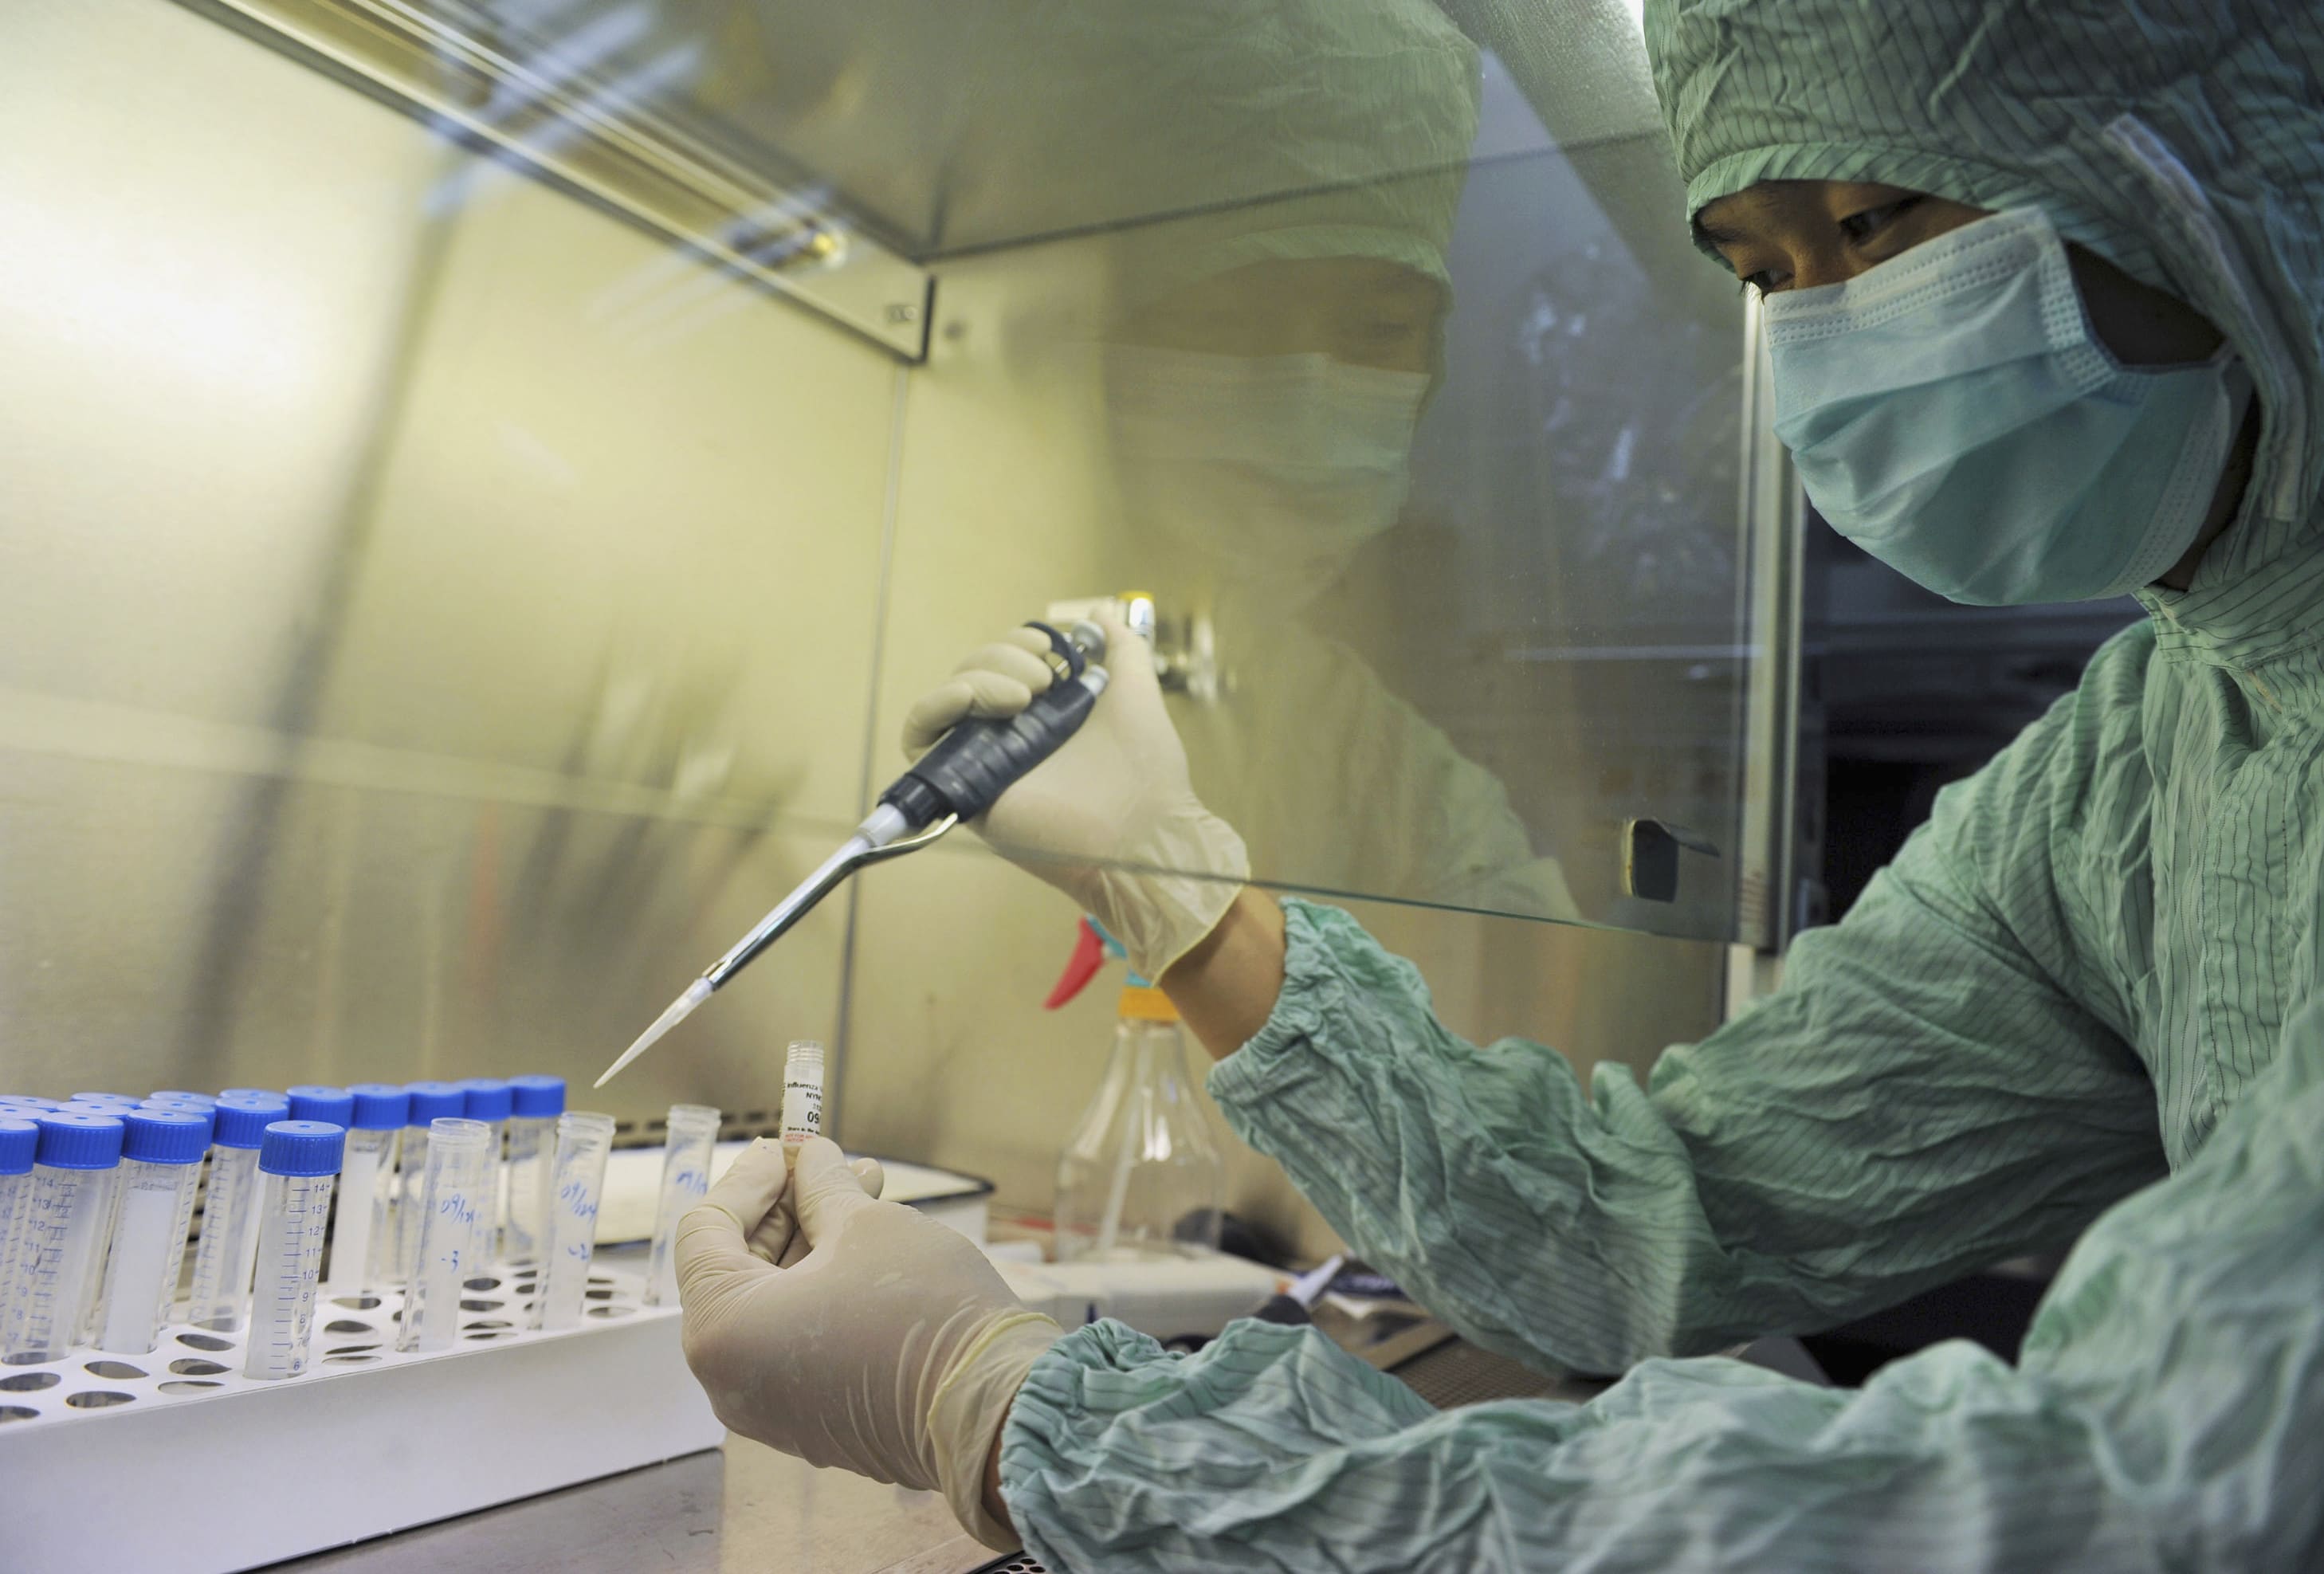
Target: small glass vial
(431, 1102)
(684, 1178)
(297, 1164)
(802, 1094)
(463, 1171)
(359, 1243)
(20, 1138)
(76, 1165)
(228, 1243)
(490, 1099)
(535, 1103)
(583, 1141)
(160, 1156)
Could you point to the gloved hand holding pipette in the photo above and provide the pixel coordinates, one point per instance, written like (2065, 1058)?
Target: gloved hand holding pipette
(876, 1339)
(1112, 818)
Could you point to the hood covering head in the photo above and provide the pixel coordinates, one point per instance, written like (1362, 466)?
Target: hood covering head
(1310, 131)
(2182, 140)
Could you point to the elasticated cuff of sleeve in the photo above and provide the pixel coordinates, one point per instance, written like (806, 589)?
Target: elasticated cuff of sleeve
(968, 1409)
(1052, 1430)
(1314, 989)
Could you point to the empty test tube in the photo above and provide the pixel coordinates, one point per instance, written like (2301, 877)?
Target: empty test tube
(490, 1099)
(463, 1162)
(802, 1092)
(359, 1242)
(230, 1238)
(431, 1102)
(19, 1139)
(297, 1164)
(75, 1167)
(583, 1142)
(160, 1156)
(685, 1177)
(536, 1103)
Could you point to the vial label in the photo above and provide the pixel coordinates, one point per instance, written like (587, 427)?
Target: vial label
(802, 1111)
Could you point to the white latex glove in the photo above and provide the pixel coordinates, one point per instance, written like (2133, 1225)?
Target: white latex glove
(890, 1347)
(1112, 818)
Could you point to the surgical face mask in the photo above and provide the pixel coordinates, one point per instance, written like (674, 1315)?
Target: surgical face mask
(1274, 469)
(1952, 414)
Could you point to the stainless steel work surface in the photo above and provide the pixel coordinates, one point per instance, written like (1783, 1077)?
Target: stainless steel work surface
(743, 1507)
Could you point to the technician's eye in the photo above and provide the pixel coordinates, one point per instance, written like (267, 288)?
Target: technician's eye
(1860, 228)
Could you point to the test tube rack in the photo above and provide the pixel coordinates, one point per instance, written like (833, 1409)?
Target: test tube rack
(175, 1463)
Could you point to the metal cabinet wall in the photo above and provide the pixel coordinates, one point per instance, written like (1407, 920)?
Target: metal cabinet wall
(483, 480)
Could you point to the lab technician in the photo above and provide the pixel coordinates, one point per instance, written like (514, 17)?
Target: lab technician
(2045, 299)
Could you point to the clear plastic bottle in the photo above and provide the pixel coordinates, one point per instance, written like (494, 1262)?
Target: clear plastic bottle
(360, 1246)
(685, 1177)
(75, 1169)
(1142, 1175)
(161, 1158)
(431, 1102)
(295, 1169)
(583, 1141)
(535, 1102)
(228, 1243)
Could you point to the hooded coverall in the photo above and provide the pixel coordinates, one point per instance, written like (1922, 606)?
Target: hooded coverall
(2081, 1006)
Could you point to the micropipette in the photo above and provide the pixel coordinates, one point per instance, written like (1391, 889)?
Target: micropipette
(958, 779)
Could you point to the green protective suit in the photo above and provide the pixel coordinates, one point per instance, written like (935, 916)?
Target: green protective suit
(2081, 1006)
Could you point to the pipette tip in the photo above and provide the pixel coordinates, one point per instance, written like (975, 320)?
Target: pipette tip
(680, 1010)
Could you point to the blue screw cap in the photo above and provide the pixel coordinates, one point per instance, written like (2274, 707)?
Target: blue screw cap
(34, 1100)
(127, 1098)
(303, 1148)
(78, 1139)
(537, 1097)
(432, 1101)
(380, 1105)
(319, 1101)
(165, 1136)
(488, 1098)
(19, 1140)
(178, 1095)
(241, 1122)
(249, 1093)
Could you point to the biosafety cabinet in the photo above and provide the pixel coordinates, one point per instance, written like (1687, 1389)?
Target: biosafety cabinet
(480, 485)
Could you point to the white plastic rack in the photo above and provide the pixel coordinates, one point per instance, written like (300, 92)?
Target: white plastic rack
(176, 1462)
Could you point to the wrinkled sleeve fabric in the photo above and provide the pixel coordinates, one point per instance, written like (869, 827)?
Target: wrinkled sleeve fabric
(1924, 1097)
(2168, 1413)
